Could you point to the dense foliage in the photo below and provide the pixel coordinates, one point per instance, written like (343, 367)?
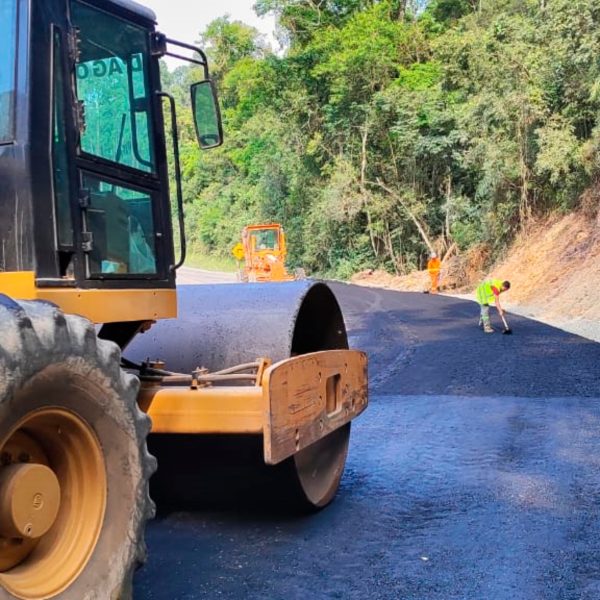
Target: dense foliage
(387, 128)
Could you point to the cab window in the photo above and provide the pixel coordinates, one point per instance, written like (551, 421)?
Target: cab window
(121, 223)
(265, 239)
(112, 84)
(8, 45)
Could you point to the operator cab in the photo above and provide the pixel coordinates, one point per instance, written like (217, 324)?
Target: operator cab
(84, 194)
(264, 239)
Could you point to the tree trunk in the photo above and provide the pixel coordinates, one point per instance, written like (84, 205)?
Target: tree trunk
(447, 233)
(363, 188)
(524, 206)
(390, 248)
(413, 218)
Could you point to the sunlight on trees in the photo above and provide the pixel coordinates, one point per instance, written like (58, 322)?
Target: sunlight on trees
(391, 127)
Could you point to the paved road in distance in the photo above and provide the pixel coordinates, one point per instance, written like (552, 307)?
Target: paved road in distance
(191, 275)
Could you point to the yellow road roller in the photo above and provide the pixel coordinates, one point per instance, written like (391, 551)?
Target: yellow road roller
(101, 355)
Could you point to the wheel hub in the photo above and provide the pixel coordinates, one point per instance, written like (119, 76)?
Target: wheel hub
(29, 500)
(52, 502)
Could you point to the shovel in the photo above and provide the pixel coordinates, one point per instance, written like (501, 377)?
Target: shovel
(507, 330)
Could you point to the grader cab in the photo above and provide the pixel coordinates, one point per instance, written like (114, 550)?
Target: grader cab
(101, 356)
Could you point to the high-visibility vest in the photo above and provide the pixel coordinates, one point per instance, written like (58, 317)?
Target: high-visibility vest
(484, 292)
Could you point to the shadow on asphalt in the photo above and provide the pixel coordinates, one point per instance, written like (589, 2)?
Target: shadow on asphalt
(222, 472)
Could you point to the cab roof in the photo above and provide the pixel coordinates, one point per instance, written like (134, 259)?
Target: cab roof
(136, 8)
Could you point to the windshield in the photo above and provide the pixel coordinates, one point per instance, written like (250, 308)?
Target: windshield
(264, 239)
(113, 86)
(8, 43)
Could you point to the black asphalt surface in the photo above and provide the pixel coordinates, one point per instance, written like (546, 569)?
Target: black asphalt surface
(474, 474)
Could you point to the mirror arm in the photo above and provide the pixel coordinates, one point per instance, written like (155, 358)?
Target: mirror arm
(159, 44)
(180, 216)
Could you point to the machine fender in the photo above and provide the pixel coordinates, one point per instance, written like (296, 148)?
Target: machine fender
(309, 396)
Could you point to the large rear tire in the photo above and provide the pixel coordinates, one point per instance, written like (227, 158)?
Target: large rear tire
(74, 467)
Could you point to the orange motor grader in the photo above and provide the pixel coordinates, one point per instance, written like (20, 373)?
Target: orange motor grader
(264, 253)
(105, 365)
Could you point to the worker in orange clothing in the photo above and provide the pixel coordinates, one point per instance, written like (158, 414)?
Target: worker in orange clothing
(434, 266)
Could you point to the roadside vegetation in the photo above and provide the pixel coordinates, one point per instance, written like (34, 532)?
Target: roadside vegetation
(211, 262)
(387, 129)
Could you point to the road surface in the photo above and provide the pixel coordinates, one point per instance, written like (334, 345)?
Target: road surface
(474, 474)
(192, 275)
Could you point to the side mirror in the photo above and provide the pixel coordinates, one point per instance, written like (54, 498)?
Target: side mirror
(207, 117)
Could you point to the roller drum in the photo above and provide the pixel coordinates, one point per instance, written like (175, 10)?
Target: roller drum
(219, 326)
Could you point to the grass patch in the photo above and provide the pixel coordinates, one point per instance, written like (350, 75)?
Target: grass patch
(210, 262)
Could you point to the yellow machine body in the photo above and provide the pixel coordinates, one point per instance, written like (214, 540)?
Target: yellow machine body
(293, 404)
(98, 305)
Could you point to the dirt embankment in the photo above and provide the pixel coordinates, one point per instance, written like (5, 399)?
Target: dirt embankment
(553, 267)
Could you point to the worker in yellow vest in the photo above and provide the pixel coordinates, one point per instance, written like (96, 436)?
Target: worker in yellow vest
(434, 266)
(488, 292)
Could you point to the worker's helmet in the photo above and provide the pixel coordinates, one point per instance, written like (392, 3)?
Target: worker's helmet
(506, 285)
(434, 255)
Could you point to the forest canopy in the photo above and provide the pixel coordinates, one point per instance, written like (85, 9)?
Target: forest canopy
(389, 128)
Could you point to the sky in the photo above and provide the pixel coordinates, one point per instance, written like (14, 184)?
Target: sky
(185, 19)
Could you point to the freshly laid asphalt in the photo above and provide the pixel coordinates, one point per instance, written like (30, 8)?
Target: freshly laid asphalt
(473, 474)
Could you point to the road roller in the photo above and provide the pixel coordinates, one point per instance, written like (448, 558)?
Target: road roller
(101, 355)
